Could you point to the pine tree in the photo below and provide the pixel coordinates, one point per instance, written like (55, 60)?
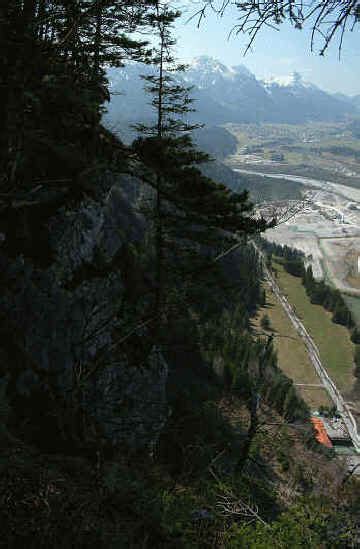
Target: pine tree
(194, 217)
(162, 144)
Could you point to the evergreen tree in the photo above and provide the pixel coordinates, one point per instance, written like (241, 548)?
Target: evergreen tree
(52, 90)
(53, 84)
(193, 216)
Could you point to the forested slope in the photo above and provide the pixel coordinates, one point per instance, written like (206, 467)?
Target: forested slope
(137, 409)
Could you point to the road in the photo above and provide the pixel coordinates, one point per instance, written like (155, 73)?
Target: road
(335, 395)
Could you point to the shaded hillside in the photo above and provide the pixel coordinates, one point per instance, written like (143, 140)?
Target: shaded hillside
(137, 406)
(216, 141)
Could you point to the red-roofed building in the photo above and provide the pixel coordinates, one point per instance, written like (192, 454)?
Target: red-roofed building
(320, 432)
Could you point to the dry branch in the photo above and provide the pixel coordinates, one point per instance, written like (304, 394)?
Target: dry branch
(327, 19)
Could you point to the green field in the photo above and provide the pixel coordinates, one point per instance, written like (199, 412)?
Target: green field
(292, 355)
(333, 341)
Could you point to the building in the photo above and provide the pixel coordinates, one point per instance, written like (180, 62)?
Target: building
(320, 432)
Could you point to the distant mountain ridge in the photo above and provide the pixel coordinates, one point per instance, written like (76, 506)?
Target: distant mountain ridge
(234, 94)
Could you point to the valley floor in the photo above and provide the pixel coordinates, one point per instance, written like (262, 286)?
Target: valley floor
(326, 228)
(324, 160)
(326, 151)
(292, 354)
(333, 340)
(296, 360)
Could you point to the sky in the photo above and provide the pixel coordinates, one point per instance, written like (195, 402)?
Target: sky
(275, 53)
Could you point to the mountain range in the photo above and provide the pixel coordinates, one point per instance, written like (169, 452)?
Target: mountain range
(230, 94)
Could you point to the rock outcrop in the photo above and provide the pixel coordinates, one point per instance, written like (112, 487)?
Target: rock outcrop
(58, 324)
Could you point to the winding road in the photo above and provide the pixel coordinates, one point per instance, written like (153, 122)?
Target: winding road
(335, 395)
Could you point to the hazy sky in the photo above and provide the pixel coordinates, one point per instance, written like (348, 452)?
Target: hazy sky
(274, 53)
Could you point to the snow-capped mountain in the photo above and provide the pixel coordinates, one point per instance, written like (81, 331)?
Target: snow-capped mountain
(222, 93)
(229, 94)
(293, 80)
(205, 72)
(297, 101)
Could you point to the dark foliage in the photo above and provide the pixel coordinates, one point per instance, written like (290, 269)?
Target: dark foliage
(77, 329)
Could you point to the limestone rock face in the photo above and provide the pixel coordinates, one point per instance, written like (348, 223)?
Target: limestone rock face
(56, 321)
(95, 232)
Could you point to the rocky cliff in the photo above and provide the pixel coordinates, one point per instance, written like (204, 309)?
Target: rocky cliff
(62, 320)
